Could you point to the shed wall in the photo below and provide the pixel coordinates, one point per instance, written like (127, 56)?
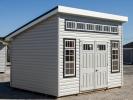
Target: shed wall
(69, 86)
(2, 57)
(34, 58)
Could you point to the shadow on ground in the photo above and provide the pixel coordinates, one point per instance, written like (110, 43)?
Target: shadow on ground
(7, 92)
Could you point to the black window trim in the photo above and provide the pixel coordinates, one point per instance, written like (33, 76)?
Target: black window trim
(118, 56)
(64, 57)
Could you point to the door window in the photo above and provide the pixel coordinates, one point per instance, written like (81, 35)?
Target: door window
(87, 46)
(101, 47)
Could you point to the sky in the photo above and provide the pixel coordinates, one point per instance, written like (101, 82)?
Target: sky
(15, 13)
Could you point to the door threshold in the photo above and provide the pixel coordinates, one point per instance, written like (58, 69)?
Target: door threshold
(94, 90)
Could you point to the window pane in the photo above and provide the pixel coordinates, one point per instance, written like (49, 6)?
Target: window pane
(71, 52)
(67, 65)
(67, 71)
(114, 51)
(67, 58)
(106, 28)
(101, 47)
(115, 63)
(98, 28)
(80, 26)
(87, 46)
(70, 25)
(71, 71)
(71, 43)
(71, 58)
(115, 57)
(115, 67)
(114, 29)
(71, 65)
(66, 43)
(90, 27)
(115, 45)
(67, 52)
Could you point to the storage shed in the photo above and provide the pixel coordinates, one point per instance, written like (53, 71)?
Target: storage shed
(128, 53)
(68, 51)
(2, 55)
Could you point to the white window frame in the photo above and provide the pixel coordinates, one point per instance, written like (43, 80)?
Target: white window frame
(110, 27)
(64, 56)
(118, 49)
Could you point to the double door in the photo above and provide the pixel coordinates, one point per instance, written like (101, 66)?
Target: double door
(93, 65)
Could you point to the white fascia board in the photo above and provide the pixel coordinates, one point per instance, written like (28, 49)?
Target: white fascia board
(31, 24)
(81, 12)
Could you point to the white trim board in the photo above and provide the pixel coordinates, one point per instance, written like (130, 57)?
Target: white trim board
(88, 13)
(73, 11)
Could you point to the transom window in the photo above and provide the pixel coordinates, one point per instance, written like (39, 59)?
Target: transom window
(106, 28)
(74, 25)
(115, 56)
(70, 25)
(90, 27)
(69, 57)
(80, 26)
(98, 27)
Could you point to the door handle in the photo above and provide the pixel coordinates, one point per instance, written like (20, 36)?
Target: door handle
(96, 70)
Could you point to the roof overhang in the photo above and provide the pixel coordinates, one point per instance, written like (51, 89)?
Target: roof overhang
(67, 10)
(88, 13)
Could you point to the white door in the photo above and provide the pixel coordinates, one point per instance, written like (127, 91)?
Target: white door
(87, 66)
(93, 65)
(100, 64)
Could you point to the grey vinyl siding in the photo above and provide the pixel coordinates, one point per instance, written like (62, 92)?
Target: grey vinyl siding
(128, 55)
(2, 57)
(34, 58)
(69, 86)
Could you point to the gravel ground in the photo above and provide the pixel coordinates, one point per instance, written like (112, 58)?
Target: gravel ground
(124, 93)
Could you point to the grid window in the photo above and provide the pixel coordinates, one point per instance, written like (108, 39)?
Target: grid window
(70, 25)
(74, 25)
(115, 56)
(69, 57)
(90, 27)
(80, 26)
(106, 28)
(114, 29)
(98, 27)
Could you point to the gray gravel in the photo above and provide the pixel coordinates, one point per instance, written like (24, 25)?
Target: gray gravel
(124, 93)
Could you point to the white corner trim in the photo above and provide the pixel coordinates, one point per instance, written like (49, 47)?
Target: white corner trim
(81, 12)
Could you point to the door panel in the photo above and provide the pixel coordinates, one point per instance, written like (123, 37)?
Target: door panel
(100, 64)
(87, 66)
(93, 65)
